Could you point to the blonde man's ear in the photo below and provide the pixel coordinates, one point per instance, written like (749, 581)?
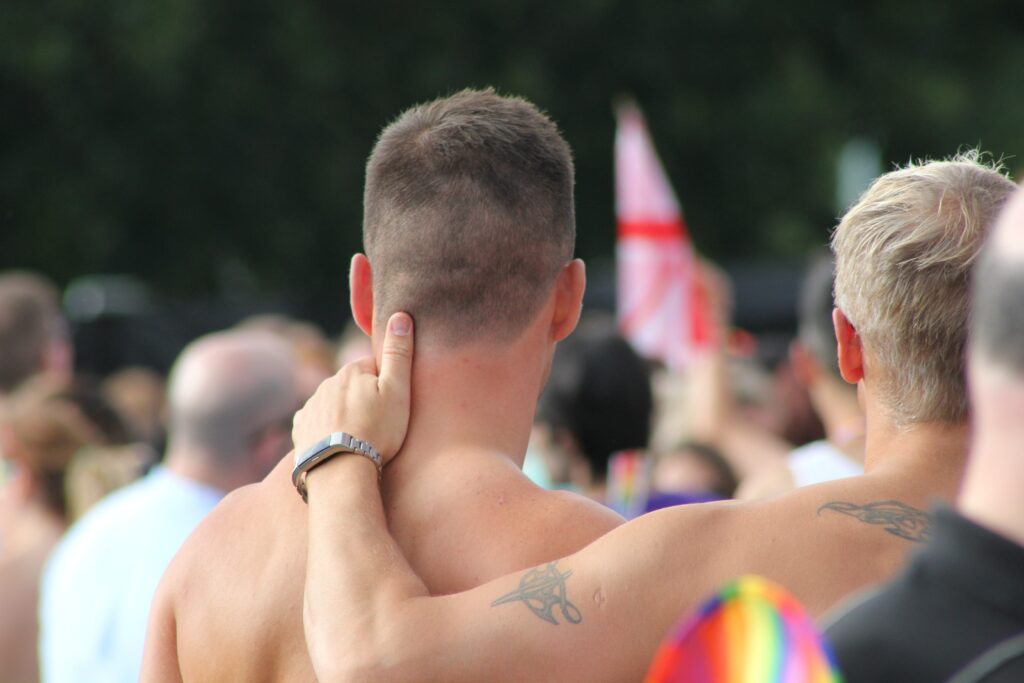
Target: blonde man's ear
(849, 349)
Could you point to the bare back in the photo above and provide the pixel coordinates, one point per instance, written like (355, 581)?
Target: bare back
(238, 581)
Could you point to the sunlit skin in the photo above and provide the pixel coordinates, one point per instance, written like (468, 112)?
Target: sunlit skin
(459, 504)
(369, 617)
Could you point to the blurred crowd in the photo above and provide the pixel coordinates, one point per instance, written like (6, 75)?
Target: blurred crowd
(81, 455)
(113, 472)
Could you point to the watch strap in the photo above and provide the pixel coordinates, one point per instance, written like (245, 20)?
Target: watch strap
(325, 449)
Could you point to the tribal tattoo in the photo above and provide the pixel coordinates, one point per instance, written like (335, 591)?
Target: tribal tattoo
(541, 590)
(899, 519)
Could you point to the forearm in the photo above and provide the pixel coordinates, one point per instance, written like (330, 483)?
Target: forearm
(357, 581)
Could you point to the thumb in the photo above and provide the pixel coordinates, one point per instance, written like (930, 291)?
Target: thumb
(396, 358)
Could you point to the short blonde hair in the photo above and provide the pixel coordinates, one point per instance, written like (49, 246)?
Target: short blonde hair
(903, 263)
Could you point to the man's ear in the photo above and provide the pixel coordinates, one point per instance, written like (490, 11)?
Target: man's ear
(360, 287)
(569, 287)
(849, 349)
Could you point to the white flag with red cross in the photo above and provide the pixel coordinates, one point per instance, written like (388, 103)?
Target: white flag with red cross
(662, 311)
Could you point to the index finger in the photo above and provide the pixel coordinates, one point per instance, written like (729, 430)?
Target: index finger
(396, 357)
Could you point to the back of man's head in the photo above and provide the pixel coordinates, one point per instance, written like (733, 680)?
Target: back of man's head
(225, 389)
(468, 215)
(997, 320)
(903, 261)
(29, 322)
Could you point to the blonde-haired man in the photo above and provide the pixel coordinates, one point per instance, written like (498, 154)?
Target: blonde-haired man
(903, 259)
(599, 614)
(956, 612)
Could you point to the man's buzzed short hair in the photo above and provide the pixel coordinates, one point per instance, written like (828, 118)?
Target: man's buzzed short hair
(903, 264)
(468, 215)
(29, 320)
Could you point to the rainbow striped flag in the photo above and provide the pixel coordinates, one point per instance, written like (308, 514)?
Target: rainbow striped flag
(753, 631)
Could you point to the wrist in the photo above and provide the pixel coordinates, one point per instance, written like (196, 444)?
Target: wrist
(348, 468)
(334, 444)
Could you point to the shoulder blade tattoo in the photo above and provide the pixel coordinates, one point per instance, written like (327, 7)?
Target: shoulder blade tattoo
(541, 590)
(898, 518)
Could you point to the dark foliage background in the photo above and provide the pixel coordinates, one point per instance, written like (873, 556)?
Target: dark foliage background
(215, 147)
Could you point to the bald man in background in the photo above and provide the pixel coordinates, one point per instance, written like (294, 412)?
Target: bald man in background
(231, 399)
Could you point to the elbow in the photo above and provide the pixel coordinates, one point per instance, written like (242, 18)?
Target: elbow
(347, 656)
(347, 663)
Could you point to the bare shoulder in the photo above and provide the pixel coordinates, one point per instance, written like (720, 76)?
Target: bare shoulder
(885, 506)
(495, 521)
(827, 540)
(205, 545)
(184, 592)
(236, 568)
(570, 521)
(579, 507)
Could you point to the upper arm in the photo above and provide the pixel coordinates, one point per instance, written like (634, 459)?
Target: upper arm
(596, 615)
(571, 522)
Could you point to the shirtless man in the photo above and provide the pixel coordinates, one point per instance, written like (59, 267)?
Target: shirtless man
(956, 611)
(903, 260)
(469, 225)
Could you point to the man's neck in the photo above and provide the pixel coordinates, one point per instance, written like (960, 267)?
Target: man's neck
(468, 402)
(930, 452)
(196, 467)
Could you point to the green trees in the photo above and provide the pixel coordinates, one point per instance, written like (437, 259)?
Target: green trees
(212, 144)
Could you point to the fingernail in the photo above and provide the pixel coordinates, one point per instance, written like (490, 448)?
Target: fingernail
(401, 324)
